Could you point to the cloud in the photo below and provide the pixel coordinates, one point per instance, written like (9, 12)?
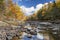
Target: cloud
(51, 2)
(27, 11)
(45, 3)
(30, 10)
(39, 6)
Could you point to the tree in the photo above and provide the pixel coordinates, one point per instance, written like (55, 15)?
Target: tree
(51, 11)
(2, 8)
(39, 15)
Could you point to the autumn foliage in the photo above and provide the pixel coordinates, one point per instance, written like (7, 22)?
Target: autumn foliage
(16, 11)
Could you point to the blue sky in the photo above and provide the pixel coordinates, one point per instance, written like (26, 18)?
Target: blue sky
(31, 5)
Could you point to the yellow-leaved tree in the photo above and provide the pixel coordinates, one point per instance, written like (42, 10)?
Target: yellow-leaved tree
(16, 10)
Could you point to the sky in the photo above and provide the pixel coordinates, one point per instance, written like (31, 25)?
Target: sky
(30, 6)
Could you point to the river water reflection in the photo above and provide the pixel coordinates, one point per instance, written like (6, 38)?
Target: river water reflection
(34, 37)
(40, 31)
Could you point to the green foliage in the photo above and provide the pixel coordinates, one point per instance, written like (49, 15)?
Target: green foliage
(1, 1)
(10, 13)
(32, 18)
(53, 13)
(2, 6)
(39, 15)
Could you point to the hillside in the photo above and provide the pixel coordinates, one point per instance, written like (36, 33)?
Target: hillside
(49, 12)
(10, 11)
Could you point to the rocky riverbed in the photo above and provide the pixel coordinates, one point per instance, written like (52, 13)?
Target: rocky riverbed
(30, 31)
